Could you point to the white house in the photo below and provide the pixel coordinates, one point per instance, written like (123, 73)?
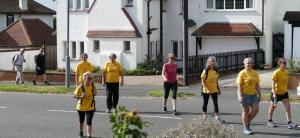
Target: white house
(100, 27)
(12, 10)
(292, 35)
(24, 24)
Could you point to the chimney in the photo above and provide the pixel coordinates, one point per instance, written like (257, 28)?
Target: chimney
(23, 5)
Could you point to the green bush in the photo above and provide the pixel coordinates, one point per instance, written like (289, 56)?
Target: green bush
(293, 66)
(127, 124)
(140, 72)
(64, 70)
(151, 65)
(97, 69)
(200, 129)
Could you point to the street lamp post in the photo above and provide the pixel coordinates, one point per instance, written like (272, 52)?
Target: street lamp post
(185, 42)
(67, 81)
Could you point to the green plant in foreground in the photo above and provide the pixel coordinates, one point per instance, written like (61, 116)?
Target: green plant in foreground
(127, 124)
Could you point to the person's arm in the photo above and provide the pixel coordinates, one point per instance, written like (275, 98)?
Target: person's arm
(258, 91)
(163, 73)
(104, 75)
(95, 91)
(78, 93)
(76, 79)
(122, 78)
(218, 86)
(240, 94)
(273, 88)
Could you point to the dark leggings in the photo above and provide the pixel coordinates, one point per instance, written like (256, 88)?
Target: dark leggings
(168, 87)
(112, 95)
(89, 116)
(214, 97)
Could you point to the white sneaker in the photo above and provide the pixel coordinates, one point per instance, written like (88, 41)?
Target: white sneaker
(107, 111)
(204, 117)
(114, 110)
(291, 125)
(220, 120)
(271, 124)
(247, 132)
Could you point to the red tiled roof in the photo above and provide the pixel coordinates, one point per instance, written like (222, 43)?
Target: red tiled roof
(27, 32)
(117, 33)
(12, 6)
(227, 29)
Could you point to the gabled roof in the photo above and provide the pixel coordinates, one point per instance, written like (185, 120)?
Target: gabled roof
(292, 16)
(12, 6)
(27, 32)
(117, 33)
(227, 29)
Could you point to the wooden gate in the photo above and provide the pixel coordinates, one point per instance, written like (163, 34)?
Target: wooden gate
(51, 56)
(278, 46)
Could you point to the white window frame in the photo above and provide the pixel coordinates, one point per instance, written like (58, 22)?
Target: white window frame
(124, 46)
(245, 9)
(94, 46)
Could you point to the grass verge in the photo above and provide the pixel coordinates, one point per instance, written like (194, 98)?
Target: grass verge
(159, 93)
(292, 95)
(53, 89)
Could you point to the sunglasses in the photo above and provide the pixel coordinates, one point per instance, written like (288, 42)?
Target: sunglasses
(89, 78)
(283, 62)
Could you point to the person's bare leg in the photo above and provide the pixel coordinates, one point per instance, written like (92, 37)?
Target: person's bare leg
(254, 111)
(174, 104)
(272, 107)
(287, 107)
(246, 116)
(89, 130)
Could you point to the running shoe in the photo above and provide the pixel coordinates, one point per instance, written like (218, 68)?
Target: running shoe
(247, 132)
(291, 125)
(271, 124)
(107, 111)
(175, 112)
(165, 109)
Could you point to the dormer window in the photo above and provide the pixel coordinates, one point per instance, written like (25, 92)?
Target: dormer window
(230, 4)
(129, 3)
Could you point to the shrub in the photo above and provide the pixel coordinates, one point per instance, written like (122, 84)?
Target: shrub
(127, 124)
(200, 129)
(97, 69)
(154, 65)
(64, 70)
(140, 72)
(293, 66)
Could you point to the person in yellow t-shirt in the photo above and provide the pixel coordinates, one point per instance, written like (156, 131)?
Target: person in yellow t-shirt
(85, 94)
(210, 87)
(280, 93)
(112, 71)
(248, 93)
(82, 67)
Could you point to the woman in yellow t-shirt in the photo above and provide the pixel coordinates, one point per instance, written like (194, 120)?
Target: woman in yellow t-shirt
(248, 93)
(280, 93)
(85, 94)
(210, 87)
(82, 67)
(112, 72)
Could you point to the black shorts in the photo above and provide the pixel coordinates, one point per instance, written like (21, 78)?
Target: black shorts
(279, 97)
(40, 71)
(170, 86)
(89, 116)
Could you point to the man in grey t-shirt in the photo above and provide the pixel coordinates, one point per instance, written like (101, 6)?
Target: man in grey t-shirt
(18, 61)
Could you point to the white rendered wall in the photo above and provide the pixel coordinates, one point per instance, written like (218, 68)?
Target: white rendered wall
(287, 40)
(2, 22)
(297, 43)
(28, 55)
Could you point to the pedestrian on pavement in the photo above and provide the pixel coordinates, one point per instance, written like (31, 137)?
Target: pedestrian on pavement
(111, 74)
(280, 93)
(40, 66)
(248, 94)
(85, 93)
(169, 74)
(18, 61)
(82, 67)
(210, 87)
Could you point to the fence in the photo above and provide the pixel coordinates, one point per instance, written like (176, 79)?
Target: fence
(51, 56)
(228, 61)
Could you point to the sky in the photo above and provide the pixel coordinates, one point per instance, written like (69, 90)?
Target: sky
(48, 3)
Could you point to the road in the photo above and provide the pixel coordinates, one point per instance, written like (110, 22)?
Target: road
(54, 116)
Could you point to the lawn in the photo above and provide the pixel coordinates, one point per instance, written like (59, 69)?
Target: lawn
(53, 89)
(160, 93)
(292, 95)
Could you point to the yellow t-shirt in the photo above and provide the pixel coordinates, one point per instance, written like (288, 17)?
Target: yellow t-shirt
(248, 80)
(210, 82)
(85, 104)
(112, 70)
(280, 77)
(82, 68)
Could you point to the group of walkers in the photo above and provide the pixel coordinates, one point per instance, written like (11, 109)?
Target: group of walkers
(112, 77)
(40, 66)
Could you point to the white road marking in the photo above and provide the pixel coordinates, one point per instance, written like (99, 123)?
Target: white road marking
(3, 107)
(146, 116)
